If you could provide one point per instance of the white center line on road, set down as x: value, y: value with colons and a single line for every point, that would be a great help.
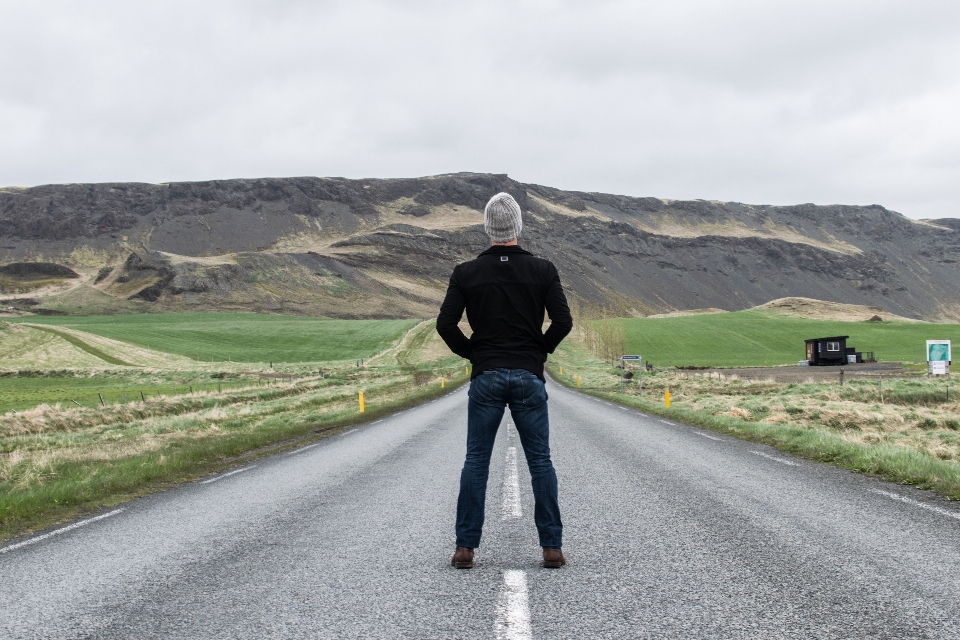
x: 707, y: 435
x: 511, y: 487
x: 513, y: 608
x: 775, y: 458
x: 71, y: 527
x: 916, y: 503
x: 229, y: 473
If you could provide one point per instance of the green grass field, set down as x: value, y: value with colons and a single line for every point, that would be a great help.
x: 64, y: 387
x: 762, y: 338
x: 60, y: 461
x: 909, y: 433
x: 242, y: 337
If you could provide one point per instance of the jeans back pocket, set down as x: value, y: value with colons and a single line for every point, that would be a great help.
x: 487, y: 388
x: 533, y: 392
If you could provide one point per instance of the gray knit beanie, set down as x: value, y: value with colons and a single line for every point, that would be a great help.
x: 501, y: 218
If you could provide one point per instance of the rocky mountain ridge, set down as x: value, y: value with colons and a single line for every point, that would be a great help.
x: 385, y: 248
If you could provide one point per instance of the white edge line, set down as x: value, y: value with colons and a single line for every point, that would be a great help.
x: 917, y: 503
x: 706, y: 435
x: 790, y: 463
x: 309, y: 446
x: 347, y: 432
x: 71, y: 527
x: 227, y: 474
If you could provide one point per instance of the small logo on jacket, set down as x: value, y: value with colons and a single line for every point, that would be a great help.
x: 504, y: 258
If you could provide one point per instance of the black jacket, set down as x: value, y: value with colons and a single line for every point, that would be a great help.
x: 505, y: 291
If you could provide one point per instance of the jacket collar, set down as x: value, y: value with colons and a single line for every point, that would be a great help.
x: 499, y: 249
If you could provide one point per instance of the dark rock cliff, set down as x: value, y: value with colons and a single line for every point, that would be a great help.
x: 377, y: 248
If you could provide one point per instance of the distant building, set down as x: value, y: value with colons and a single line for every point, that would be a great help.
x: 832, y: 350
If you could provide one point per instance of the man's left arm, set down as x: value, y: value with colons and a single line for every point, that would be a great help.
x: 561, y: 322
x: 448, y: 322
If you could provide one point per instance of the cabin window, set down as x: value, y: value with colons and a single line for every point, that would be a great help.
x: 833, y: 346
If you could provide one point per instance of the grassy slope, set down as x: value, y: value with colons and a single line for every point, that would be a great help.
x: 57, y: 464
x: 66, y: 387
x: 902, y: 458
x: 763, y: 338
x: 243, y: 337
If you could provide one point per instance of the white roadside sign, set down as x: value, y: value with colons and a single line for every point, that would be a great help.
x: 938, y: 357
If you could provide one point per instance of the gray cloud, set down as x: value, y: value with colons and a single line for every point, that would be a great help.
x: 761, y: 102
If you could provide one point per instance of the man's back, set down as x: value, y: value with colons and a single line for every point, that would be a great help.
x: 505, y: 292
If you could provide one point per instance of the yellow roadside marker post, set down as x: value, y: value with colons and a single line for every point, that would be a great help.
x: 666, y: 398
x: 561, y: 370
x: 466, y: 371
x: 443, y: 383
x: 578, y: 381
x: 360, y: 398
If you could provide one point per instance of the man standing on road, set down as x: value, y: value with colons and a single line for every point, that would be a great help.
x: 505, y: 291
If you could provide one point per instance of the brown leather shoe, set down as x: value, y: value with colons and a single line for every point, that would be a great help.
x: 462, y: 558
x: 553, y: 558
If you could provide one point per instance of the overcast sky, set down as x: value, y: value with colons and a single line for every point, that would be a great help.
x: 766, y: 102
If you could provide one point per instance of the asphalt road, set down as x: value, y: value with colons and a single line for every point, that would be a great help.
x: 670, y: 532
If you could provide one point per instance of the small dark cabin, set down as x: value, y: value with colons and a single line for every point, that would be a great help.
x: 830, y: 351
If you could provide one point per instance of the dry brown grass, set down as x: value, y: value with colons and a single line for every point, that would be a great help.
x: 55, y: 457
x: 933, y: 429
x: 913, y: 415
x: 823, y: 310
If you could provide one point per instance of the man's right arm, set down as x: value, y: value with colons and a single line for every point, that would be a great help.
x: 448, y: 322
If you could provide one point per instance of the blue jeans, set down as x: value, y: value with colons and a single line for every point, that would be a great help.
x: 489, y: 393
